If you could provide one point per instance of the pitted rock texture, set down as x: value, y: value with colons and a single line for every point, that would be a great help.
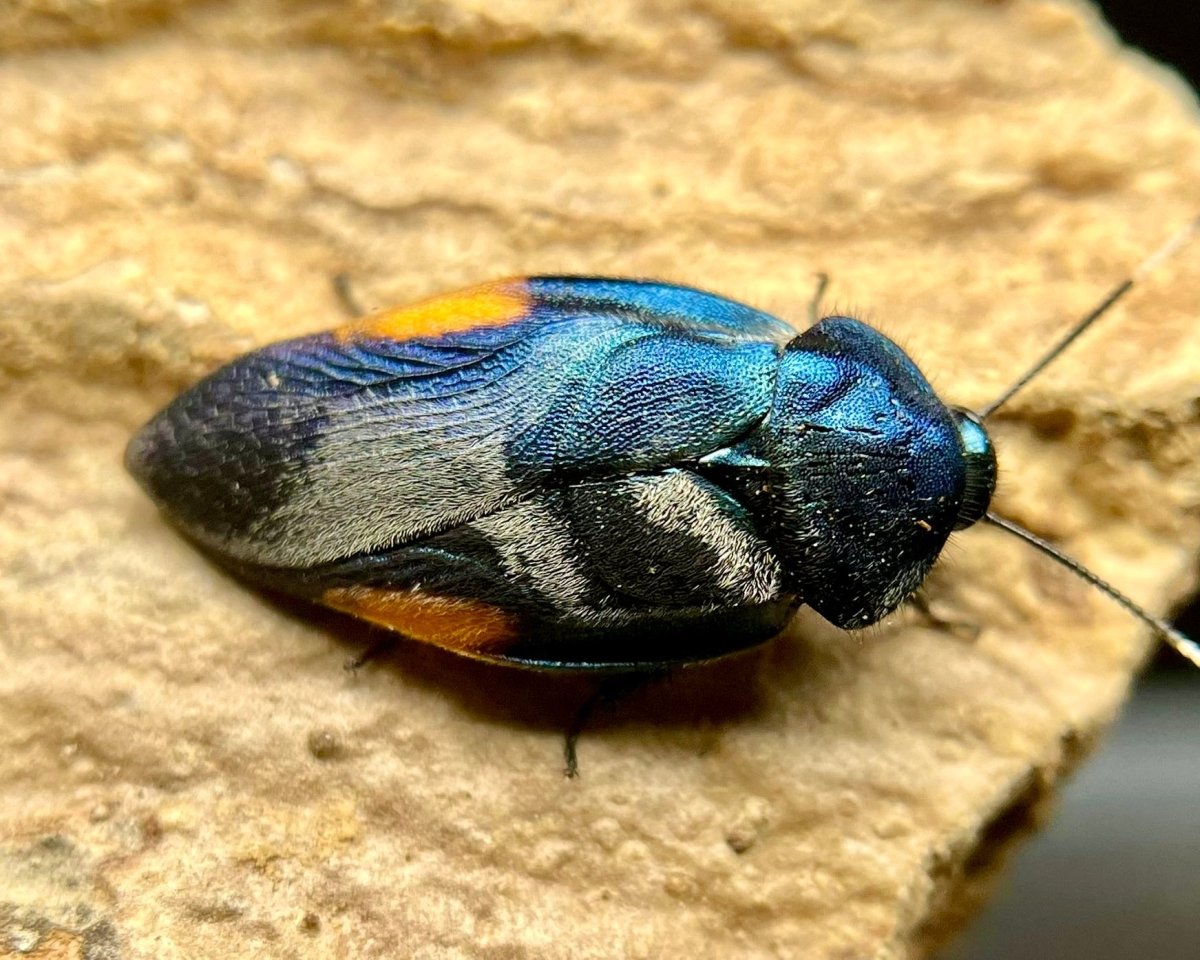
x: 185, y: 768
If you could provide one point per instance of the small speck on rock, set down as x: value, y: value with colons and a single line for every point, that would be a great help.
x: 741, y: 838
x: 324, y: 745
x: 748, y: 825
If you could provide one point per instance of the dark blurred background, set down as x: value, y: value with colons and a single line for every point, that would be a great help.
x: 1167, y: 30
x: 1116, y: 876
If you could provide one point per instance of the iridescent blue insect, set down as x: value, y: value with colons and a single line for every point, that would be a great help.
x: 577, y: 473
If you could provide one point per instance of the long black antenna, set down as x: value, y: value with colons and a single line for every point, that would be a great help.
x: 1147, y: 265
x: 1163, y: 630
x: 1185, y: 645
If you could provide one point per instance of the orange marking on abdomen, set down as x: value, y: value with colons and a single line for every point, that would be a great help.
x: 487, y: 305
x: 453, y: 623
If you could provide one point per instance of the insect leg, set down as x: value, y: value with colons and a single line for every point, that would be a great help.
x: 382, y: 644
x: 610, y: 691
x: 960, y: 628
x: 814, y: 305
x: 345, y: 296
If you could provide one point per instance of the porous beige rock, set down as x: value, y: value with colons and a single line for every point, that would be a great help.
x: 185, y: 768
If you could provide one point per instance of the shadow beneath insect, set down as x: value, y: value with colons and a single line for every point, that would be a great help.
x: 700, y: 698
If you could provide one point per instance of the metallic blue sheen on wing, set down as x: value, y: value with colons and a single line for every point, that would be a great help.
x: 316, y: 449
x: 662, y: 304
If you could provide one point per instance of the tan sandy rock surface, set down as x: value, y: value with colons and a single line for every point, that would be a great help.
x: 186, y: 771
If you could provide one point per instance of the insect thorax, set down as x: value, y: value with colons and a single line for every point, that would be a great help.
x: 868, y: 472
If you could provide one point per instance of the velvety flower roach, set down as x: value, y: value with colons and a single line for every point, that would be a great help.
x: 585, y: 473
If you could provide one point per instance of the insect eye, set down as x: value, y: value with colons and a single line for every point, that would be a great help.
x: 980, y: 458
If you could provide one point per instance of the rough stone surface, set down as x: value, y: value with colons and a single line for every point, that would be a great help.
x: 185, y: 768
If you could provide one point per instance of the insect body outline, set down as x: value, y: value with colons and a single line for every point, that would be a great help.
x: 668, y: 463
x: 584, y: 473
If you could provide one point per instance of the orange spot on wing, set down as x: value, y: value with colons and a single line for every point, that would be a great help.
x: 487, y: 305
x: 454, y: 623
